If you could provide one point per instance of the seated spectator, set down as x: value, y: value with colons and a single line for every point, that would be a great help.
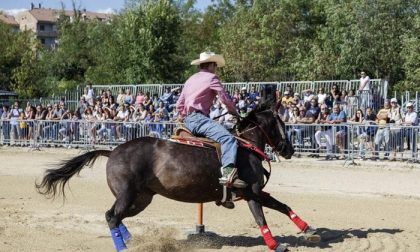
x: 297, y: 101
x: 215, y: 109
x: 147, y: 101
x: 287, y: 98
x: 163, y: 112
x: 307, y: 95
x: 122, y: 116
x: 128, y: 97
x: 139, y: 98
x: 120, y: 97
x: 253, y: 94
x: 298, y: 117
x: 283, y: 112
x: 382, y: 133
x: 167, y: 98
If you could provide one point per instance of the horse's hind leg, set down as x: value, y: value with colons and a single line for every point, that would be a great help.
x: 116, y: 214
x: 258, y: 214
x: 134, y: 207
x: 270, y: 202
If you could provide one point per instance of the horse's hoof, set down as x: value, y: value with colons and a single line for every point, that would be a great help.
x: 228, y: 204
x: 281, y: 248
x: 311, y: 235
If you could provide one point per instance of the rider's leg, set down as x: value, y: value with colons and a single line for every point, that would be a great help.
x: 199, y: 124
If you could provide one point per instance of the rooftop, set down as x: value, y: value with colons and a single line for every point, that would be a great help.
x: 7, y: 19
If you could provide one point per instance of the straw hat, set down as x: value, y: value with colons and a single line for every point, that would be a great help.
x: 209, y: 57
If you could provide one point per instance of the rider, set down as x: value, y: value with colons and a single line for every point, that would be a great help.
x: 194, y: 105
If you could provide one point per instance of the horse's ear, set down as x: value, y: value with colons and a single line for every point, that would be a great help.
x: 268, y: 97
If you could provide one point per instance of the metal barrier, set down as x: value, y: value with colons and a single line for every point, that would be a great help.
x: 346, y: 141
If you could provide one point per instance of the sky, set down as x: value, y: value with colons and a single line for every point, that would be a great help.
x: 107, y: 6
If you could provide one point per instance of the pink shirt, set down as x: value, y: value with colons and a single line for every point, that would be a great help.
x: 140, y: 99
x: 198, y: 94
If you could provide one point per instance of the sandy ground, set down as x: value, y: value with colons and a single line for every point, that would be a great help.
x: 370, y: 207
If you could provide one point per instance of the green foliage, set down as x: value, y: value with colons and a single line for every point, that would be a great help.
x: 154, y: 41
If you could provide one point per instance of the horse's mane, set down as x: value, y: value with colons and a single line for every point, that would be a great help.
x: 252, y: 116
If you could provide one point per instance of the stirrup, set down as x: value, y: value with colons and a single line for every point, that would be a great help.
x: 232, y: 180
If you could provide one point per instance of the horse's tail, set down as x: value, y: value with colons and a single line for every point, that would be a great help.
x: 68, y: 168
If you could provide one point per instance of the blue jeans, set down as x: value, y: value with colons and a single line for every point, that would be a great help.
x: 201, y: 125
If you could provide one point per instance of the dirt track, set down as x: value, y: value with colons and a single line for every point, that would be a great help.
x: 373, y: 207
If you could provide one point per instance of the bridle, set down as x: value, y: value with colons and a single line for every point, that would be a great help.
x: 267, y: 138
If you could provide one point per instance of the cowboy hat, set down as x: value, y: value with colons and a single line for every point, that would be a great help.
x: 209, y: 57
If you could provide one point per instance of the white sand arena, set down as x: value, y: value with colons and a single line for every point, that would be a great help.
x: 372, y: 207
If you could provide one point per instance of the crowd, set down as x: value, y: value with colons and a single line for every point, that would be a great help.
x: 332, y: 113
x: 315, y: 118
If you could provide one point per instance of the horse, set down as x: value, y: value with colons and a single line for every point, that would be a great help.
x: 143, y: 167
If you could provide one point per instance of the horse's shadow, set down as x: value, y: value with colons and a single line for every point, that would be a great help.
x: 328, y: 237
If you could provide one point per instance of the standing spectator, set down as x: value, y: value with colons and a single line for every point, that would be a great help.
x: 90, y: 94
x: 167, y: 98
x: 382, y: 134
x: 359, y: 119
x: 364, y: 90
x: 14, y: 124
x: 335, y: 95
x: 321, y: 96
x: 324, y: 131
x: 351, y: 103
x: 410, y: 133
x: 338, y: 117
x: 396, y: 118
x: 5, y: 125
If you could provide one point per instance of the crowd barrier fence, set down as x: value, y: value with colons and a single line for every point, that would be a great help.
x: 331, y: 141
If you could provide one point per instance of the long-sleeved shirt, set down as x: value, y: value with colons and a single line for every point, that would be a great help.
x: 198, y: 94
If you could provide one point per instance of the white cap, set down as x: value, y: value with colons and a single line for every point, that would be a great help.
x: 243, y: 88
x: 409, y: 104
x: 296, y: 94
x: 286, y: 92
x: 394, y: 100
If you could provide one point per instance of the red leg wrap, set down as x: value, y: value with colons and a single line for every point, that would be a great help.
x: 268, y: 238
x: 298, y: 221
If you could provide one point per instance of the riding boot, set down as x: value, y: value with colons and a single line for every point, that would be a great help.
x: 230, y: 178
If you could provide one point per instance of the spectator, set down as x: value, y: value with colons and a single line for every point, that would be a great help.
x: 396, y: 118
x: 338, y: 117
x: 382, y: 134
x: 308, y: 95
x: 147, y: 101
x: 321, y: 95
x: 351, y: 103
x: 361, y: 134
x: 14, y: 124
x: 120, y: 97
x: 410, y: 119
x: 122, y: 116
x: 335, y: 95
x: 324, y: 130
x: 364, y: 90
x: 287, y: 98
x: 128, y: 98
x: 215, y: 109
x: 5, y: 124
x: 163, y: 112
x: 167, y: 98
x: 253, y: 94
x: 140, y: 98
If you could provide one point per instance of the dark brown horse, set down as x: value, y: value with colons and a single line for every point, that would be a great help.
x: 143, y: 167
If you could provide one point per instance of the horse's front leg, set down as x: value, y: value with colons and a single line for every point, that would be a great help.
x: 258, y: 214
x: 310, y: 234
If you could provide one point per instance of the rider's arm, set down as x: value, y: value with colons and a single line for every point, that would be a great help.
x: 180, y: 104
x: 216, y: 85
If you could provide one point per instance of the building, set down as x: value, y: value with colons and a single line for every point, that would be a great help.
x: 9, y: 20
x: 44, y: 21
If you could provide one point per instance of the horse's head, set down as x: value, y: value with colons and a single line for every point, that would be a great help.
x: 271, y: 128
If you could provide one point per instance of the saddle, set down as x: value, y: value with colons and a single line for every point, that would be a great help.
x: 184, y: 136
